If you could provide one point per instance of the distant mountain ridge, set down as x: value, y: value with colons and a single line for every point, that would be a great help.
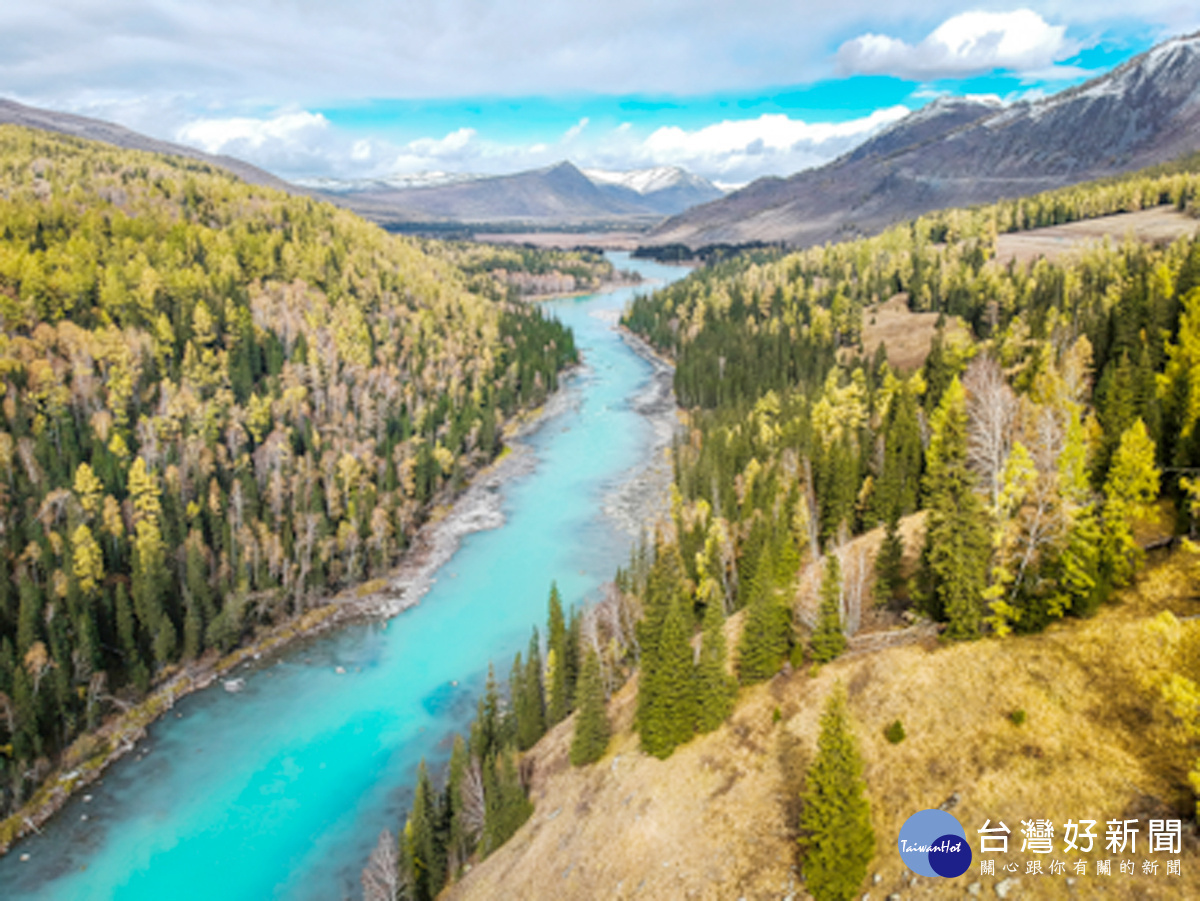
x: 966, y: 151
x: 13, y: 113
x: 557, y: 194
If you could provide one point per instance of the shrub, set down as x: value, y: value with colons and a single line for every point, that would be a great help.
x: 895, y: 732
x: 1017, y: 716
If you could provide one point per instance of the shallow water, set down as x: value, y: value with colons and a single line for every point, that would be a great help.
x: 281, y: 790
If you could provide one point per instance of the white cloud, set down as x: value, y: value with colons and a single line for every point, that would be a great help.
x: 442, y: 148
x: 967, y: 44
x: 733, y: 151
x: 211, y: 72
x: 575, y: 130
x: 288, y: 142
x: 225, y: 135
x: 742, y: 149
x: 299, y: 143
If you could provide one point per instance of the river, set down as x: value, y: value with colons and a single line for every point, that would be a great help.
x: 280, y: 791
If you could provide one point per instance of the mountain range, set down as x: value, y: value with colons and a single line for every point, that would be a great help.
x: 558, y: 194
x: 555, y: 195
x: 952, y: 152
x: 966, y: 151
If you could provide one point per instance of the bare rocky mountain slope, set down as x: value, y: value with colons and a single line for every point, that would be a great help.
x: 963, y: 152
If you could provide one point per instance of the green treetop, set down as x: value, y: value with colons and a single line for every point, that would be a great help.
x: 957, y: 543
x: 828, y: 640
x: 838, y: 841
x: 715, y: 688
x: 592, y: 730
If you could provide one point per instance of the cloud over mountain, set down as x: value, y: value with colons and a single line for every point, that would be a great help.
x: 967, y: 44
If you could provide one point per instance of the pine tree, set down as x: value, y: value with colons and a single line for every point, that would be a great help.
x: 486, y: 730
x: 511, y: 730
x: 198, y: 596
x: 716, y: 689
x: 838, y: 841
x: 426, y: 876
x: 127, y: 633
x: 557, y: 702
x: 1077, y: 569
x: 571, y: 656
x: 957, y: 542
x: 457, y: 840
x: 507, y: 807
x: 665, y: 588
x: 592, y: 730
x: 766, y: 630
x: 829, y: 641
x: 1131, y: 486
x: 530, y: 705
x: 889, y: 562
x: 667, y: 700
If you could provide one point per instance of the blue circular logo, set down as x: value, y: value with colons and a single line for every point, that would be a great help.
x: 933, y: 843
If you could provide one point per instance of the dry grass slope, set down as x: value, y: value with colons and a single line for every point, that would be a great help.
x: 1161, y: 225
x: 716, y: 820
x: 907, y: 335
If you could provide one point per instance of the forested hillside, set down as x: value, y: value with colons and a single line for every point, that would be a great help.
x: 218, y: 402
x: 1034, y: 440
x: 1036, y: 447
x: 1041, y: 448
x: 529, y: 270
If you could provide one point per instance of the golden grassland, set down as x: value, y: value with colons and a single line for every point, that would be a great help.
x: 718, y: 819
x: 1157, y: 225
x: 906, y: 335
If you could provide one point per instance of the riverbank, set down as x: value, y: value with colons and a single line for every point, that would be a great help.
x: 476, y: 507
x: 643, y: 498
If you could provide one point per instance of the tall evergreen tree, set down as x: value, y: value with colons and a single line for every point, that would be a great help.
x: 592, y: 730
x: 957, y: 541
x: 889, y: 562
x: 829, y: 641
x: 507, y: 807
x: 716, y: 689
x: 766, y: 629
x: 457, y: 834
x: 838, y: 841
x: 1132, y: 483
x: 557, y: 701
x: 486, y: 730
x: 511, y: 729
x: 664, y: 589
x: 529, y: 701
x: 667, y: 699
x: 426, y: 874
x: 571, y: 656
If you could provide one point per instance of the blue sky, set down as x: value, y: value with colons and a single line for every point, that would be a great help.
x: 369, y: 88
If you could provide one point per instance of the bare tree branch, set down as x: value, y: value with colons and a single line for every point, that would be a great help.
x: 992, y: 408
x: 381, y: 876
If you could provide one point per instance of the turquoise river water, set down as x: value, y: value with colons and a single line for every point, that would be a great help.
x: 280, y: 791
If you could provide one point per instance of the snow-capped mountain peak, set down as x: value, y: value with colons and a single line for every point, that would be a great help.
x: 647, y: 181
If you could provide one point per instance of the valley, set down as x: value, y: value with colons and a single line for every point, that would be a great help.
x: 444, y: 456
x: 207, y: 780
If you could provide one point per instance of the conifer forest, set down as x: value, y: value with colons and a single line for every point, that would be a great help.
x: 219, y: 403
